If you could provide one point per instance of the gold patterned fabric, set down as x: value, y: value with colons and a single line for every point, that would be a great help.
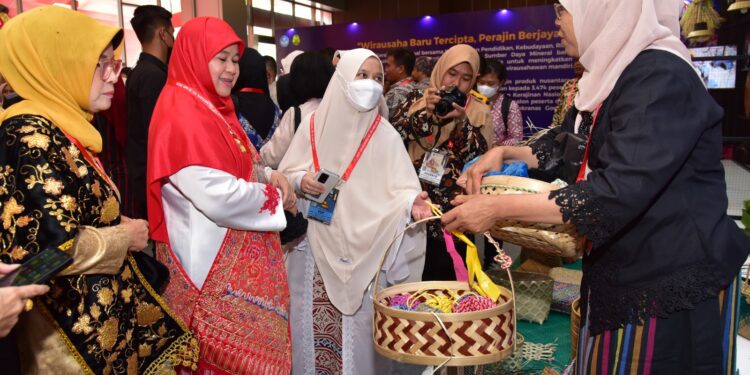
x: 565, y: 101
x: 110, y: 323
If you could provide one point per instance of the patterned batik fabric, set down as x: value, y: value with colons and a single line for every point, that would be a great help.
x: 255, y: 138
x: 327, y: 331
x: 509, y: 134
x: 568, y: 93
x: 398, y: 94
x: 241, y: 315
x: 110, y: 323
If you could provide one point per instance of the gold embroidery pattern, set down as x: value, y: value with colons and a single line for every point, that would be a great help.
x: 184, y: 351
x: 36, y: 140
x: 110, y: 210
x: 110, y: 323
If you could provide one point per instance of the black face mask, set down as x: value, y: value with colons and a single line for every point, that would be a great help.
x: 169, y: 49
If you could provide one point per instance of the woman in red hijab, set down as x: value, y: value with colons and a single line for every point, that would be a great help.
x: 212, y: 213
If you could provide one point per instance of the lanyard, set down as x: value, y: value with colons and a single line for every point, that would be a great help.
x: 357, y: 154
x: 252, y: 90
x: 585, y: 162
x: 243, y: 146
x: 571, y: 92
x: 94, y: 162
x: 408, y: 81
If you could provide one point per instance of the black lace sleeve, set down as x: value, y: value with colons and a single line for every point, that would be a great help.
x: 542, y: 150
x: 543, y: 145
x: 644, y: 143
x: 579, y: 206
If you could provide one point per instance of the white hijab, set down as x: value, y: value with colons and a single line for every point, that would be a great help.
x: 611, y: 33
x: 286, y: 62
x: 373, y: 205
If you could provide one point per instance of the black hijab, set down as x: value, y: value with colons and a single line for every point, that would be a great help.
x: 284, y: 93
x: 256, y: 107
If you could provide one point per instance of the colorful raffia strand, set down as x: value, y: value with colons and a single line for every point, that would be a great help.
x: 478, y: 280
x: 504, y: 260
x: 471, y: 302
x: 402, y: 302
x: 442, y: 303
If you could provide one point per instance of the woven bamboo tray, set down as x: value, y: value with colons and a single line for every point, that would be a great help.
x: 441, y: 339
x: 575, y: 327
x: 556, y: 239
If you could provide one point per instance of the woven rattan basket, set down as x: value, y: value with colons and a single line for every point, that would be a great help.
x: 533, y: 293
x: 419, y: 338
x: 557, y: 239
x: 442, y: 339
x: 575, y: 327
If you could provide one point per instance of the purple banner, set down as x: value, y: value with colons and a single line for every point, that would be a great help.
x: 524, y: 39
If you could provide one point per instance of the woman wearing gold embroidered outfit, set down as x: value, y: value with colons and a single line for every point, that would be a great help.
x: 101, y: 315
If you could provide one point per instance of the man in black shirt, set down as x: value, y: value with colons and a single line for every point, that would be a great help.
x: 153, y: 26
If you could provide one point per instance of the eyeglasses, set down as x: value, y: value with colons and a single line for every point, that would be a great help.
x: 559, y: 9
x: 109, y: 68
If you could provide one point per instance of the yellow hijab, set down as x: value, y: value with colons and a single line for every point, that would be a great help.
x: 49, y: 56
x: 477, y: 112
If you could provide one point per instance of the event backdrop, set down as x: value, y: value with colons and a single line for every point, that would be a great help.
x: 524, y: 39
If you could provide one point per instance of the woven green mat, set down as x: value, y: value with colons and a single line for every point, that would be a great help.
x: 556, y: 329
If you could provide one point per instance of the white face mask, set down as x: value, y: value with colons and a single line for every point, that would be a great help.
x: 488, y: 91
x: 364, y: 94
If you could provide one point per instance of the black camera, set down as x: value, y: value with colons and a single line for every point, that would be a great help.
x: 447, y: 97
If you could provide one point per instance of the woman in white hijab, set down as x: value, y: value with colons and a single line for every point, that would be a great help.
x: 660, y: 287
x: 286, y: 62
x: 332, y: 270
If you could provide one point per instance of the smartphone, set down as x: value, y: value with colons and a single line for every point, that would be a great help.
x: 329, y: 181
x: 39, y: 269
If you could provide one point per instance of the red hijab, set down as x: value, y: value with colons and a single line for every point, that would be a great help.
x: 184, y: 131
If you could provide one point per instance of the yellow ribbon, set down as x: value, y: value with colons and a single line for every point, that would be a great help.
x: 478, y: 280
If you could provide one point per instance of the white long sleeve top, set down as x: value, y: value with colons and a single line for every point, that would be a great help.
x: 201, y: 203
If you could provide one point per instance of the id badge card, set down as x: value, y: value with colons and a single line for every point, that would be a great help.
x: 433, y: 167
x: 323, y: 212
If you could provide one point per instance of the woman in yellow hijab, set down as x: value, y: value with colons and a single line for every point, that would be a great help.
x: 101, y: 315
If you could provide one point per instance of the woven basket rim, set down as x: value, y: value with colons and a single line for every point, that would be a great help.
x: 519, y: 182
x: 501, y: 308
x: 575, y: 307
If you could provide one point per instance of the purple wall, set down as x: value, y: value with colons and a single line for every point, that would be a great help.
x: 524, y: 39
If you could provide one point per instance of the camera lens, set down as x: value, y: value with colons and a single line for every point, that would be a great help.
x: 443, y: 107
x: 323, y: 178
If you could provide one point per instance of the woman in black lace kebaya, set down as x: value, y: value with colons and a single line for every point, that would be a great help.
x: 660, y: 285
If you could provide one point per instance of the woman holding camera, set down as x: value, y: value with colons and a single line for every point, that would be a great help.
x: 443, y: 130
